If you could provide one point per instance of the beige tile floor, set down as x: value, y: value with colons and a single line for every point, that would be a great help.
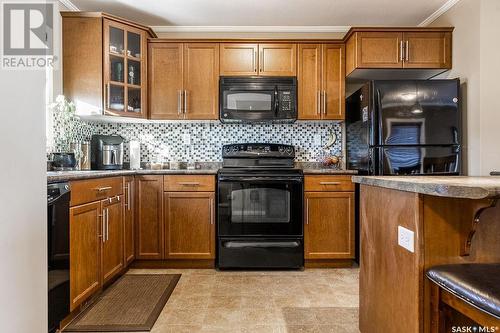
x: 313, y: 300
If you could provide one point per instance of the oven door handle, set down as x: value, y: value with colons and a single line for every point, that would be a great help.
x: 261, y: 244
x: 260, y: 179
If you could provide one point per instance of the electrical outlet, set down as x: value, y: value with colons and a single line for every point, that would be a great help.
x: 186, y: 138
x: 406, y: 239
x: 317, y: 139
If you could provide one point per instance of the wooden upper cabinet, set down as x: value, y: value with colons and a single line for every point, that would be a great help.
x: 321, y: 81
x: 427, y: 49
x: 85, y: 251
x: 129, y: 219
x: 333, y: 80
x: 238, y: 59
x: 105, y: 64
x: 329, y: 225
x: 278, y: 59
x: 201, y: 81
x: 112, y: 244
x: 149, y: 217
x: 165, y: 80
x: 189, y: 225
x: 309, y: 83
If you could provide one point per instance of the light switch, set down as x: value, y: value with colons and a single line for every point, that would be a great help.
x: 406, y: 239
x: 186, y: 138
x: 317, y: 139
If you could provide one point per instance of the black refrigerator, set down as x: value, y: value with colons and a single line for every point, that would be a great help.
x: 404, y: 128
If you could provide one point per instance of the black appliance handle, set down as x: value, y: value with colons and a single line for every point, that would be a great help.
x: 260, y: 244
x: 276, y: 101
x: 259, y: 179
x: 64, y: 191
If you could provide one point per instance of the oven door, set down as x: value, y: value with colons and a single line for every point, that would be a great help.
x: 260, y: 206
x: 248, y: 103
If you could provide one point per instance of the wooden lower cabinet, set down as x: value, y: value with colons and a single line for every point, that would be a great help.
x: 149, y: 217
x: 85, y: 252
x: 189, y: 225
x: 329, y: 225
x: 129, y: 220
x: 112, y: 241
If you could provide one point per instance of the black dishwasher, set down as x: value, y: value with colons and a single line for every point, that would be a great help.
x: 58, y: 197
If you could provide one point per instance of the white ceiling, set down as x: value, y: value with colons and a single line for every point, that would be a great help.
x: 268, y: 12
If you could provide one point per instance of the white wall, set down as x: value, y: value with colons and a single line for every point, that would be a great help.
x: 475, y: 54
x: 23, y: 234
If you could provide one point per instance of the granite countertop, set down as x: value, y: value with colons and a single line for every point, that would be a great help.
x: 206, y: 168
x: 443, y: 186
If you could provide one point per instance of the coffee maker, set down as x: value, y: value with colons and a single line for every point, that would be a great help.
x: 107, y: 152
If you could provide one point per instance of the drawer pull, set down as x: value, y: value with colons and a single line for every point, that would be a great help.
x: 189, y: 183
x: 330, y: 183
x: 102, y: 189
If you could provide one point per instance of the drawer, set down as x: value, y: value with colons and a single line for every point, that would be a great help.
x: 328, y: 183
x: 189, y: 183
x: 89, y: 190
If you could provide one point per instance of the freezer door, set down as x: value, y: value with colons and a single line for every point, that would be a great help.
x: 420, y: 112
x: 418, y: 160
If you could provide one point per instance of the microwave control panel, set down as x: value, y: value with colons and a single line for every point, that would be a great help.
x: 285, y: 101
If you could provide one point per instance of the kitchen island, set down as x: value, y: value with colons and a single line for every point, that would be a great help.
x: 451, y: 220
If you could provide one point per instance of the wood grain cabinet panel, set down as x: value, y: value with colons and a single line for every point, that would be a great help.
x: 328, y: 183
x: 189, y: 225
x: 309, y: 81
x: 129, y: 219
x: 149, y: 217
x: 321, y: 81
x: 238, y: 59
x: 379, y: 49
x: 112, y: 245
x: 278, y: 59
x: 89, y: 190
x: 427, y: 49
x: 190, y: 183
x: 85, y: 252
x: 165, y: 80
x: 201, y: 81
x: 333, y: 76
x: 329, y: 225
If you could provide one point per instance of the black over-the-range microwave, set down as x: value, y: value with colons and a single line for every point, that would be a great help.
x: 258, y: 99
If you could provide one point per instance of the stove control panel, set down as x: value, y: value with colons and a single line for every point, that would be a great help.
x: 258, y: 150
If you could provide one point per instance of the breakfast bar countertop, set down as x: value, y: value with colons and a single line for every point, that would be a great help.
x: 444, y: 186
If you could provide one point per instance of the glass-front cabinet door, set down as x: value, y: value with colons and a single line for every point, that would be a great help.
x: 124, y: 70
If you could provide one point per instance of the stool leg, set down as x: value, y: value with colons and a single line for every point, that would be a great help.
x: 437, y: 320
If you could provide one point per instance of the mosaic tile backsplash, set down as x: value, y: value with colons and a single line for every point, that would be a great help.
x: 165, y: 141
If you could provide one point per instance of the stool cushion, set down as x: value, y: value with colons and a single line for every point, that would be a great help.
x: 477, y: 284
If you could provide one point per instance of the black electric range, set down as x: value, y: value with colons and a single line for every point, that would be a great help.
x: 259, y: 207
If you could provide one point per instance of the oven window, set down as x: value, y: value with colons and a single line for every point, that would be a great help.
x: 260, y: 205
x: 248, y: 101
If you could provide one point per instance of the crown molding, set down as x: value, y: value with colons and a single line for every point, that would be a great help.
x: 71, y: 6
x: 440, y: 11
x: 250, y: 28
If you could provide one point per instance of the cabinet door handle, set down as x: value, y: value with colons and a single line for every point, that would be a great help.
x: 324, y: 102
x: 107, y: 224
x: 103, y: 225
x: 401, y: 51
x: 189, y: 183
x: 318, y: 100
x: 185, y: 102
x: 261, y: 60
x: 330, y: 183
x: 102, y: 189
x: 255, y: 61
x: 179, y: 102
x: 101, y: 218
x: 212, y: 211
x: 407, y: 50
x: 129, y: 200
x: 306, y: 211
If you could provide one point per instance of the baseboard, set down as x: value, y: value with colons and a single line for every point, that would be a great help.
x: 173, y: 263
x: 329, y: 263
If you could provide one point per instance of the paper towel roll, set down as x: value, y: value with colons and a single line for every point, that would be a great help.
x: 135, y: 154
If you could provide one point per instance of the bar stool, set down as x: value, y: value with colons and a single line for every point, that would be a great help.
x: 473, y: 290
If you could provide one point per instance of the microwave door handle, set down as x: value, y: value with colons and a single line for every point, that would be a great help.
x: 276, y: 102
